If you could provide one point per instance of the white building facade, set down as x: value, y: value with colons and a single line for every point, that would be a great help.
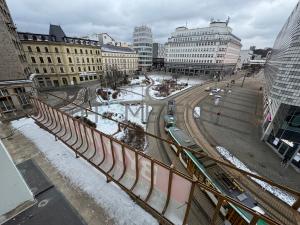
x: 142, y: 43
x: 121, y: 60
x: 245, y: 57
x: 212, y: 50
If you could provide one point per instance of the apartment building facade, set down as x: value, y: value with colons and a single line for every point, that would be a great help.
x: 281, y: 126
x: 56, y: 60
x: 14, y: 70
x: 212, y: 50
x: 120, y: 61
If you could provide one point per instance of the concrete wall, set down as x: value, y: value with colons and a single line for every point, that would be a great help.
x: 13, y: 189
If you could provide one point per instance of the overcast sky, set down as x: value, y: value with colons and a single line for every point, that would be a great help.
x: 256, y: 22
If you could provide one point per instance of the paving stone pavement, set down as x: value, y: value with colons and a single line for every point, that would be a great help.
x: 238, y: 129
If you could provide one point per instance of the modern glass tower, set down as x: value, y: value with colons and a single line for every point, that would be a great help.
x: 142, y: 43
x: 281, y: 127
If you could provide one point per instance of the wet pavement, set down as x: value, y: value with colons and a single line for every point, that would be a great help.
x: 235, y: 123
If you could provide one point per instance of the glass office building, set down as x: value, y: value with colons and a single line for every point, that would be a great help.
x: 142, y: 43
x: 281, y: 127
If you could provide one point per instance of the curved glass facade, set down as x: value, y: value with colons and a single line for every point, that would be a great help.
x: 282, y: 70
x: 142, y: 43
x: 282, y: 100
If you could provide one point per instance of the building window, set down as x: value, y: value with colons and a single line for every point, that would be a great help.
x: 88, y: 60
x: 33, y: 60
x: 72, y: 69
x: 92, y: 60
x: 37, y: 70
x: 29, y: 48
x: 82, y: 60
x: 91, y: 51
x: 56, y: 50
x: 41, y: 60
x: 75, y: 51
x: 89, y: 68
x: 93, y: 68
x: 81, y: 78
x: 68, y: 51
x: 46, y: 49
x: 45, y: 70
x: 86, y: 51
x: 58, y: 60
x: 70, y: 60
x: 79, y: 69
x: 38, y: 49
x: 95, y: 77
x: 52, y: 70
x: 49, y: 60
x: 81, y: 52
x: 61, y: 70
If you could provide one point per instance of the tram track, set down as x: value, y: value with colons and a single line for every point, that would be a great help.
x: 200, y: 202
x: 274, y: 207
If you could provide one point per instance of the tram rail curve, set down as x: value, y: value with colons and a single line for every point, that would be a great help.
x: 274, y: 207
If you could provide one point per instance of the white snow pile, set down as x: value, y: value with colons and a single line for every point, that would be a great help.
x: 111, y: 198
x: 197, y: 111
x: 282, y: 195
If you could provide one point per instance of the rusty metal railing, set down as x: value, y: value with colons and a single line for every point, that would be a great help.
x: 296, y: 194
x: 152, y: 184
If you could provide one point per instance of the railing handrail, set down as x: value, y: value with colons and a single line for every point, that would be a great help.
x: 288, y: 189
x: 222, y: 198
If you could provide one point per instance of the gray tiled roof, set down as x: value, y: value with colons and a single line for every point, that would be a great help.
x: 57, y: 31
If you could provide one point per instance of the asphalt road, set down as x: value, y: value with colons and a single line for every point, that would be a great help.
x: 202, y: 208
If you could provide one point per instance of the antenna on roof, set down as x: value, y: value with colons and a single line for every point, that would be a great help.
x: 227, y: 21
x: 212, y: 19
x: 186, y: 23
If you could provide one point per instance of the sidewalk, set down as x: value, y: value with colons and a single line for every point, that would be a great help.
x: 238, y: 129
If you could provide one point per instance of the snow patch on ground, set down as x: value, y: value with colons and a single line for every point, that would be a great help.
x: 158, y: 79
x: 127, y: 93
x: 111, y: 198
x: 282, y: 195
x: 134, y: 114
x: 138, y: 81
x: 197, y: 111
